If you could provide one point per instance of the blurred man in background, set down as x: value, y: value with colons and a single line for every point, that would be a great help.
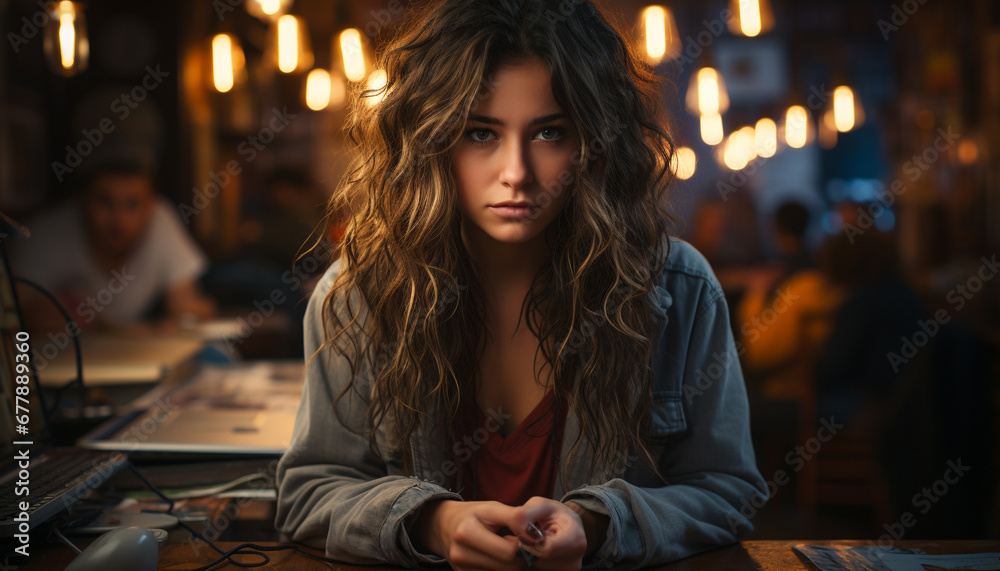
x: 115, y: 256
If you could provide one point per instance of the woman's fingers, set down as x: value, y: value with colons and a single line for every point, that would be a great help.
x: 528, y: 522
x: 564, y: 542
x: 543, y: 527
x: 471, y: 532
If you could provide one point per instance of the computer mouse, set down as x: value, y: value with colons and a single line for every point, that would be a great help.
x: 122, y: 549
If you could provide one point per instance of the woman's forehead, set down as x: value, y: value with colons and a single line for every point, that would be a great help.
x: 517, y: 85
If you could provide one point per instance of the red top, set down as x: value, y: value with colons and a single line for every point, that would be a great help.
x: 511, y: 470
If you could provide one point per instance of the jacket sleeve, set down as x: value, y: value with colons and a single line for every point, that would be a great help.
x: 713, y: 486
x: 333, y: 492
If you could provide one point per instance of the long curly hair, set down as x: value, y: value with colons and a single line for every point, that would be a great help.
x: 420, y: 335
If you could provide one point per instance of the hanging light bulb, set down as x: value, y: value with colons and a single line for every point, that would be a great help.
x: 750, y: 17
x: 66, y: 46
x: 352, y: 53
x: 291, y: 45
x: 766, y: 138
x: 268, y: 10
x: 796, y: 127
x: 660, y: 30
x: 228, y: 65
x: 683, y: 163
x: 706, y: 94
x: 744, y: 143
x: 736, y: 150
x: 847, y: 111
x: 318, y: 89
x: 711, y: 129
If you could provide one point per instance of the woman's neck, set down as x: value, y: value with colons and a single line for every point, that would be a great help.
x: 504, y: 266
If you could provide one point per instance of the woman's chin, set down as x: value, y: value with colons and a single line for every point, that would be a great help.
x: 517, y: 236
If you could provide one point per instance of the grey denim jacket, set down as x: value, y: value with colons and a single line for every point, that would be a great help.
x: 334, y: 493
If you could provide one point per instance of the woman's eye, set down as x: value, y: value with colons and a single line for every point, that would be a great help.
x: 480, y: 136
x: 550, y: 134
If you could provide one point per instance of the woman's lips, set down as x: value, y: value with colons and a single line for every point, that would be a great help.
x: 514, y: 211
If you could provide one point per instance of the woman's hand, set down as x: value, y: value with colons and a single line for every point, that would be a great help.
x: 466, y: 534
x: 564, y: 540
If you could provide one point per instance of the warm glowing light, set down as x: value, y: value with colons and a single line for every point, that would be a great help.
x: 270, y: 7
x: 733, y: 155
x: 750, y: 17
x: 353, y: 54
x: 222, y: 62
x: 683, y: 163
x: 707, y: 93
x: 67, y: 34
x: 318, y: 89
x: 65, y: 31
x: 227, y: 62
x: 288, y: 43
x: 655, y: 23
x: 796, y: 126
x: 267, y: 10
x: 739, y: 149
x: 753, y: 17
x: 711, y: 129
x: 376, y: 82
x: 766, y: 138
x: 843, y: 108
x: 968, y: 152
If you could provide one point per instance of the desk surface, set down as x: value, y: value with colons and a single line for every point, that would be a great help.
x: 746, y: 556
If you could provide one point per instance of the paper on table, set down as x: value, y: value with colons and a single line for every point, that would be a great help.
x: 964, y: 562
x: 846, y: 558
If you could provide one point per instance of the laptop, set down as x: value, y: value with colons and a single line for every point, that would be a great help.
x: 246, y: 408
x: 115, y: 359
x: 37, y: 481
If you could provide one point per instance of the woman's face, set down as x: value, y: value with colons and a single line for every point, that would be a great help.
x: 517, y: 147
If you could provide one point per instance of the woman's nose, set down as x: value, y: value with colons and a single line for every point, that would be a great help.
x: 515, y: 171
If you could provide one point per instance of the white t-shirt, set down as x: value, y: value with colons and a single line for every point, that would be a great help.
x: 57, y: 257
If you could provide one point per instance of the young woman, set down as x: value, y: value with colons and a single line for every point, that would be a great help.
x: 512, y: 363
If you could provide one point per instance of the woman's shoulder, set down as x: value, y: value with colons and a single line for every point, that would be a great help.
x: 322, y: 290
x: 686, y: 265
x: 325, y: 282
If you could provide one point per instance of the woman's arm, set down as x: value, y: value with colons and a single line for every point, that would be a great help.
x: 332, y: 491
x: 713, y: 482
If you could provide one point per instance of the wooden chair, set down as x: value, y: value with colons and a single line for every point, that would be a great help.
x: 844, y: 470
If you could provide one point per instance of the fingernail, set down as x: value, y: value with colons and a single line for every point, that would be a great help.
x: 535, y: 533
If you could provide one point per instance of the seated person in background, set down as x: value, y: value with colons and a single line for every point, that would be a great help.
x: 879, y: 310
x: 111, y: 255
x: 771, y: 313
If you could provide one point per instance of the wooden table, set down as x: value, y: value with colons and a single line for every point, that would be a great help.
x: 746, y: 556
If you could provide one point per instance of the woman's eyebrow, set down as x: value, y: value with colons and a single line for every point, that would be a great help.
x: 494, y: 121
